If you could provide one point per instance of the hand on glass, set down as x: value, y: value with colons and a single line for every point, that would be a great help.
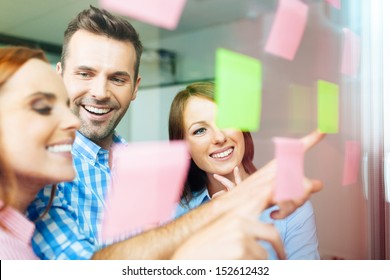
x: 265, y: 177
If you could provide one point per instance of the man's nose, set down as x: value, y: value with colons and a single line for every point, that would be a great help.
x: 100, y: 89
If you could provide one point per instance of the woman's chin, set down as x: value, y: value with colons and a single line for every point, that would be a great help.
x: 65, y: 176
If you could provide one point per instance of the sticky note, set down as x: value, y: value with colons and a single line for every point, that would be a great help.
x: 289, y: 154
x: 351, y: 53
x: 351, y: 162
x: 287, y: 29
x: 300, y: 110
x: 147, y: 181
x: 335, y: 3
x: 161, y: 13
x: 238, y: 82
x: 328, y: 107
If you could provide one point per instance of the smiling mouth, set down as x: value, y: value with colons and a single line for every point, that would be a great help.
x: 222, y: 154
x: 63, y: 148
x: 97, y: 111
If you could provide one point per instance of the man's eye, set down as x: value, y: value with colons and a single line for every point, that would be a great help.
x: 118, y: 81
x: 83, y: 74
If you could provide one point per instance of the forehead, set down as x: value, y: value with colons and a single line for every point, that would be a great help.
x: 199, y: 109
x: 88, y: 49
x: 34, y: 76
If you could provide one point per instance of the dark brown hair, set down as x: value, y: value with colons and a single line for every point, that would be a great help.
x: 196, y: 178
x: 101, y: 22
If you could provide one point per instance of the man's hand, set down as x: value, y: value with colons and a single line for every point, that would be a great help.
x: 265, y: 178
x: 231, y: 237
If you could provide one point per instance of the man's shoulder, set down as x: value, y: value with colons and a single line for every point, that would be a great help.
x: 118, y: 139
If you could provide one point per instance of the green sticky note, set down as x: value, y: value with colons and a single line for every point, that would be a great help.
x: 328, y: 107
x: 238, y: 90
x: 300, y: 109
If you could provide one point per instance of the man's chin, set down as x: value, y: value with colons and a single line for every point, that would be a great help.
x: 95, y: 136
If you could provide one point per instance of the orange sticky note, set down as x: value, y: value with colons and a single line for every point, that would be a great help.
x: 289, y: 154
x: 351, y: 162
x: 162, y: 13
x: 335, y: 3
x: 351, y: 53
x: 287, y: 29
x: 147, y: 181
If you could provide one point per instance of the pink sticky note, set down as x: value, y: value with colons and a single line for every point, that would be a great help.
x: 335, y: 3
x: 162, y: 13
x: 289, y: 154
x: 287, y: 29
x: 351, y: 162
x: 147, y: 181
x: 351, y: 53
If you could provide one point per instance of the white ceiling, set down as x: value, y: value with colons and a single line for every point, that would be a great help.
x: 46, y: 20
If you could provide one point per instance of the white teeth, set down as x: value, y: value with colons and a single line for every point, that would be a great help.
x: 60, y: 148
x: 96, y: 110
x: 223, y: 154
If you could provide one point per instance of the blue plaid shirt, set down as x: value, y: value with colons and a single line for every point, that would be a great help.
x: 71, y: 228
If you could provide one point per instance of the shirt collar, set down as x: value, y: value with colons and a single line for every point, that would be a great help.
x: 201, y: 197
x: 17, y: 224
x: 86, y: 148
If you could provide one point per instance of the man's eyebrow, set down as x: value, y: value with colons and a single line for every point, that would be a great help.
x: 121, y: 73
x: 116, y: 73
x: 83, y: 67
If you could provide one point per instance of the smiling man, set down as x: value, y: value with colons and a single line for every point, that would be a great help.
x: 101, y: 80
x: 99, y: 66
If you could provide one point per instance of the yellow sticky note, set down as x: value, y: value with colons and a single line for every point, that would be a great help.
x: 328, y: 107
x: 238, y: 82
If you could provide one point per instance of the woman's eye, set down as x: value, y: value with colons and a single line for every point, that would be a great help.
x: 44, y: 110
x: 200, y: 131
x: 42, y: 107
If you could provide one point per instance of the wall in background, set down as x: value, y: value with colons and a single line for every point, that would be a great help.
x: 340, y: 211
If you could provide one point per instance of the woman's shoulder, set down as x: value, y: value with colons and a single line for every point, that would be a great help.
x: 186, y: 205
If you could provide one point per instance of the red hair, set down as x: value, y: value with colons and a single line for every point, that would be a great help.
x: 196, y: 178
x: 11, y: 60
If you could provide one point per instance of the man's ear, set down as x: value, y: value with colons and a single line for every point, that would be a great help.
x: 59, y: 68
x: 136, y: 87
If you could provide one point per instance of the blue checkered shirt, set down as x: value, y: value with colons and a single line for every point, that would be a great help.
x: 71, y: 228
